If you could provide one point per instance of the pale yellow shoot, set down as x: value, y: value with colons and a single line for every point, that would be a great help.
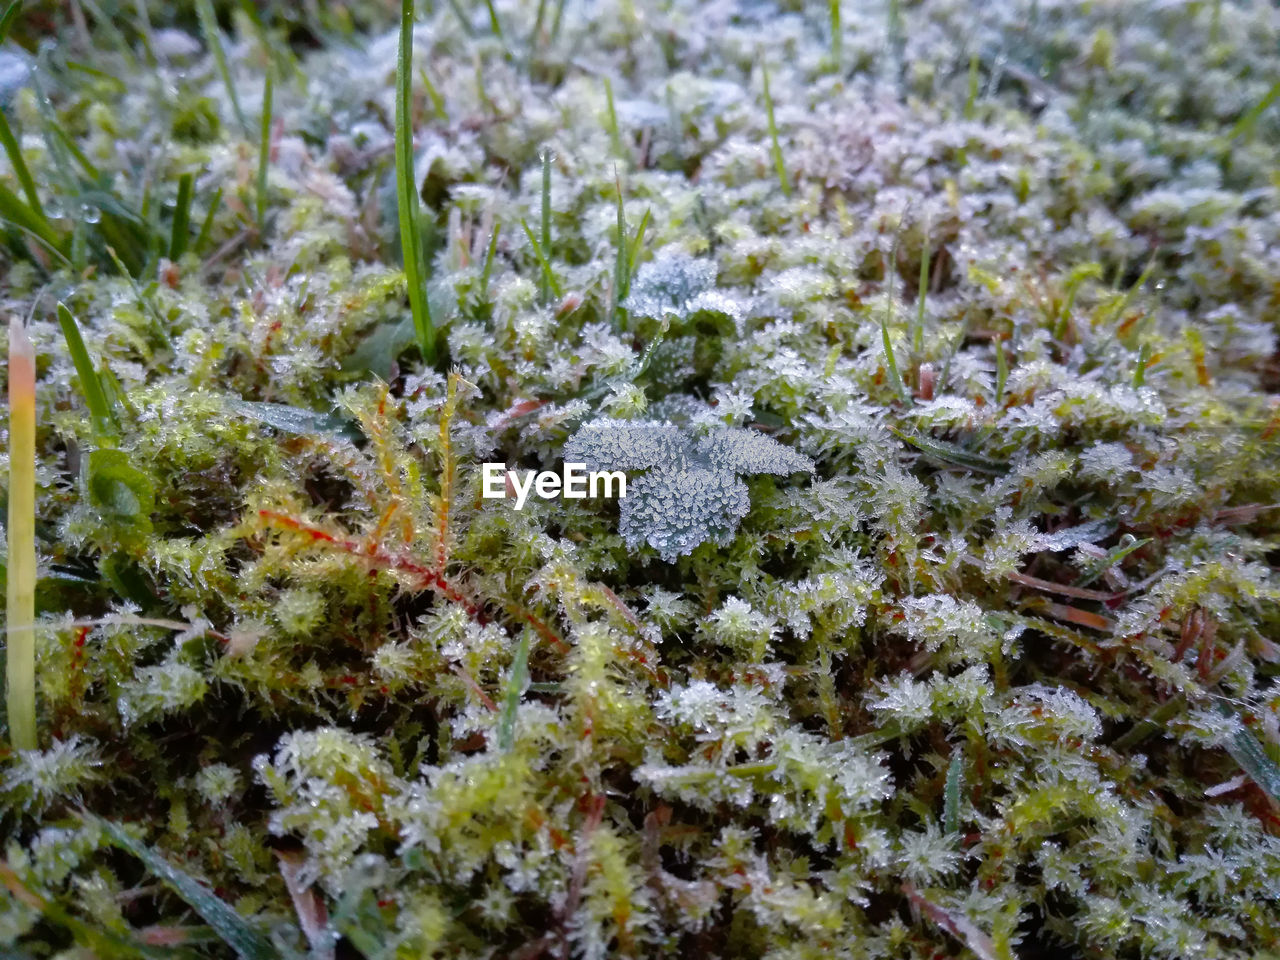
x: 20, y: 673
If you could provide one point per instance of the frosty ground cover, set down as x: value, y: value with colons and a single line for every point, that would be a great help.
x: 940, y: 340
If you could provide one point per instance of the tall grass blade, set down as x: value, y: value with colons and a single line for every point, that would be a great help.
x: 778, y: 164
x: 546, y: 220
x: 180, y: 234
x: 415, y: 267
x: 213, y: 37
x: 951, y: 792
x: 621, y: 271
x: 20, y: 600
x: 895, y: 375
x: 19, y: 214
x: 95, y: 397
x: 837, y: 37
x: 515, y: 688
x: 917, y: 340
x: 264, y: 149
x: 19, y: 165
x: 615, y: 137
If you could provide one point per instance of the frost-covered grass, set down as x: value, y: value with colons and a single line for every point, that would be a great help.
x: 944, y: 621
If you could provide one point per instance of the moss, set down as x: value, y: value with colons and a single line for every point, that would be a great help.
x: 963, y: 639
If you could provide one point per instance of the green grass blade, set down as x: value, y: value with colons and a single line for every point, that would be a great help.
x: 494, y: 23
x: 206, y: 227
x: 540, y: 255
x: 233, y: 929
x: 837, y: 36
x: 437, y: 101
x: 950, y: 453
x: 637, y: 244
x: 895, y: 375
x: 95, y: 398
x: 8, y: 17
x: 1244, y: 126
x: 621, y: 273
x: 19, y: 165
x: 264, y: 149
x: 181, y: 231
x: 18, y: 213
x: 1002, y: 371
x: 213, y: 37
x: 615, y: 137
x: 917, y: 340
x: 415, y: 267
x: 515, y: 689
x: 778, y: 164
x: 20, y: 587
x: 951, y: 793
x: 1253, y: 759
x: 546, y: 219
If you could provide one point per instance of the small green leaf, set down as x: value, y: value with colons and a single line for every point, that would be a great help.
x: 951, y: 793
x: 1253, y: 759
x: 119, y: 489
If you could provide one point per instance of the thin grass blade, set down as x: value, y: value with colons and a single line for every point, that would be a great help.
x: 415, y: 267
x: 95, y: 398
x: 20, y: 600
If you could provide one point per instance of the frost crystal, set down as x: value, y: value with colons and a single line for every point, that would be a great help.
x: 694, y: 495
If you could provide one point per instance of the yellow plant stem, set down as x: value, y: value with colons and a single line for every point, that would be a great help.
x: 20, y: 609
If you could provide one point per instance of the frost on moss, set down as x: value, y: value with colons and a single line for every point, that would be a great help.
x: 999, y: 678
x: 691, y: 493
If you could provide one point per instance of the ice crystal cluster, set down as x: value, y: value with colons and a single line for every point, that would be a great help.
x: 690, y: 492
x: 942, y: 617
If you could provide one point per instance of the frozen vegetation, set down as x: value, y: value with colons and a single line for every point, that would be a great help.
x: 939, y: 343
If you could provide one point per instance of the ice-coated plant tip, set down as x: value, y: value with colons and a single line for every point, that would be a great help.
x: 20, y: 598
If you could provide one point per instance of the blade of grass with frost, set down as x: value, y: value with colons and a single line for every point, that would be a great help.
x: 546, y: 218
x: 213, y: 37
x: 1128, y: 544
x: 95, y: 398
x: 1253, y: 759
x: 1002, y: 371
x: 264, y: 149
x: 951, y: 792
x: 537, y: 27
x: 14, y: 152
x: 778, y: 164
x: 233, y: 929
x: 950, y: 453
x: 415, y: 267
x: 917, y: 341
x: 515, y: 688
x: 20, y: 600
x: 180, y: 234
